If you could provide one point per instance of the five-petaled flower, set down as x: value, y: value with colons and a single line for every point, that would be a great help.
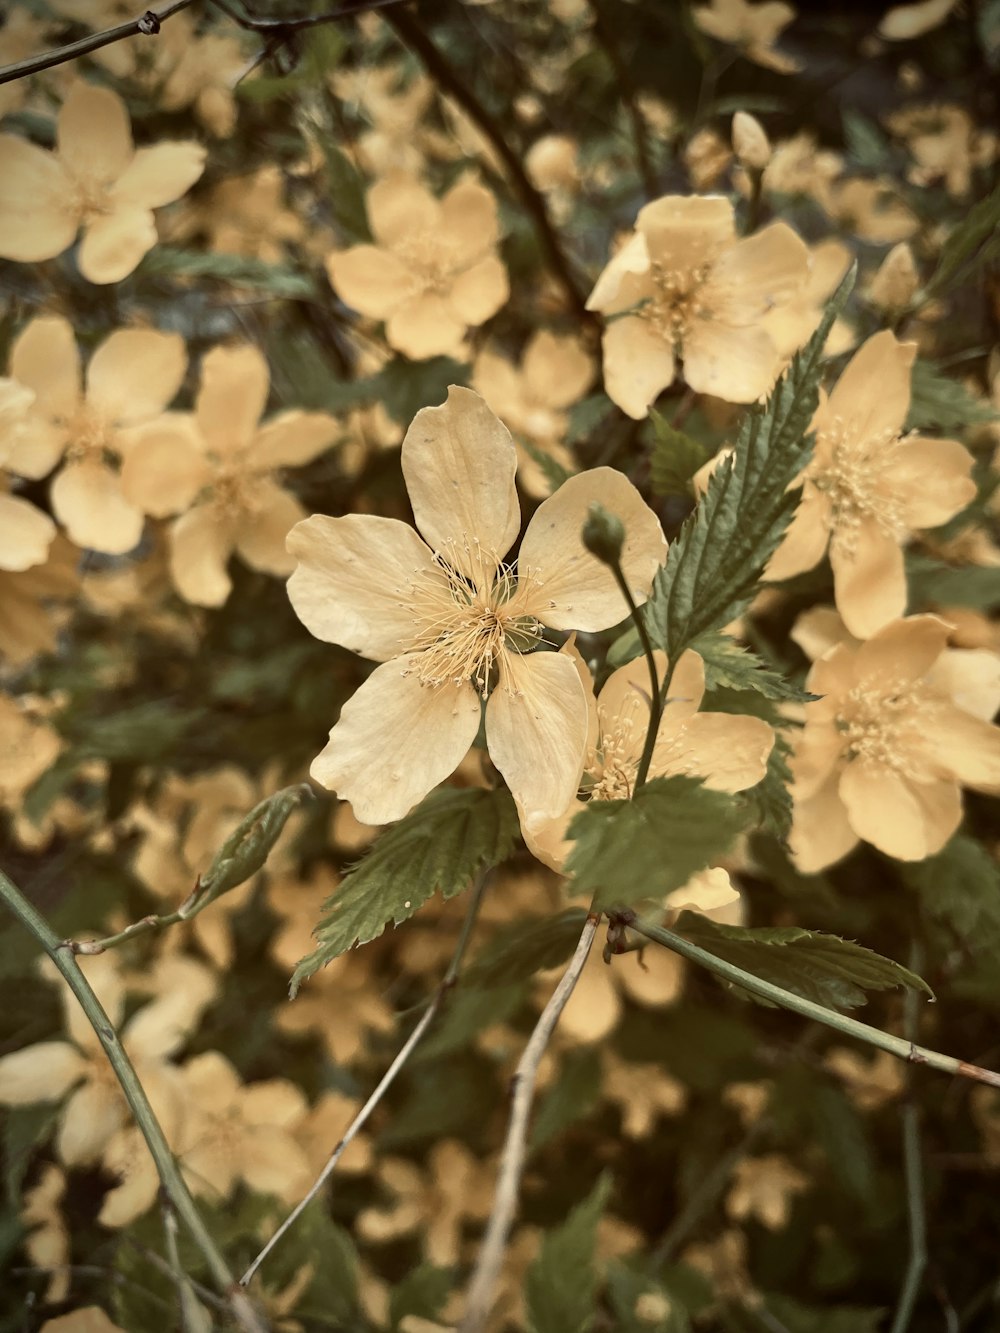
x: 452, y: 624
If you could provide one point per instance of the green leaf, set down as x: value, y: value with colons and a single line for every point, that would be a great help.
x: 554, y: 472
x: 465, y: 1015
x: 973, y: 242
x: 422, y: 1293
x: 450, y: 837
x: 572, y: 1097
x: 823, y: 968
x: 797, y: 1318
x: 675, y: 459
x: 729, y: 665
x: 715, y: 564
x: 938, y: 402
x: 25, y: 1128
x: 586, y: 416
x: 168, y: 261
x: 347, y: 193
x: 647, y: 847
x: 933, y: 583
x: 525, y: 947
x: 561, y: 1285
x: 866, y: 144
x: 959, y: 886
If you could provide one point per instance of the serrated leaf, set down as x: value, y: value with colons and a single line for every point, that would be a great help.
x: 450, y: 837
x: 716, y: 562
x: 561, y: 1285
x: 168, y: 261
x: 820, y: 967
x: 730, y: 665
x: 676, y: 457
x: 553, y: 471
x: 647, y: 847
x: 586, y: 415
x: 525, y: 947
x: 422, y: 1293
x: 960, y: 886
x: 938, y: 402
x: 971, y: 243
x: 571, y: 1097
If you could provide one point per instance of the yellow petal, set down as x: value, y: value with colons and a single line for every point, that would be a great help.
x: 954, y: 744
x: 90, y: 1319
x: 114, y: 243
x: 200, y: 547
x: 352, y: 586
x: 887, y: 811
x: 546, y: 839
x: 817, y: 750
x: 93, y: 1113
x: 904, y: 22
x: 704, y: 892
x: 425, y: 325
x: 536, y: 731
x: 371, y: 281
x: 623, y: 706
x: 233, y: 394
x: 135, y: 373
x: 638, y: 364
x: 480, y: 291
x: 869, y: 579
x: 46, y: 359
x: 469, y: 223
x: 158, y: 175
x: 738, y: 365
x: 931, y: 480
x: 904, y: 651
x: 805, y: 541
x: 261, y: 540
x: 730, y: 752
x: 87, y: 499
x: 685, y: 232
x: 400, y: 207
x: 44, y: 1072
x: 37, y: 219
x: 93, y: 134
x: 873, y: 393
x: 459, y: 463
x: 563, y: 584
x: 165, y: 465
x: 292, y: 439
x: 557, y: 370
x: 821, y: 833
x: 396, y: 740
x: 757, y: 274
x: 274, y: 1163
x: 25, y: 534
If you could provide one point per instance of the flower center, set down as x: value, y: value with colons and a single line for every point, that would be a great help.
x: 676, y: 299
x: 882, y: 724
x: 235, y: 491
x: 852, y: 476
x: 90, y: 435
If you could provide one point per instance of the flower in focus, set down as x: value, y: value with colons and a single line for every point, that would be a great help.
x: 219, y: 469
x: 130, y: 379
x: 868, y: 487
x: 554, y: 373
x: 754, y: 28
x: 884, y: 753
x: 447, y: 619
x: 728, y: 751
x: 684, y: 285
x: 434, y: 271
x: 96, y: 179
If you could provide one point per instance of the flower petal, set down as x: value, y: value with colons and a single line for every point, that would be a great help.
x: 557, y: 370
x: 728, y: 750
x: 37, y: 220
x: 44, y: 1072
x: 563, y: 584
x: 887, y: 811
x: 260, y: 541
x: 903, y: 651
x: 114, y: 243
x: 292, y: 439
x: 873, y: 393
x: 957, y: 745
x: 623, y: 706
x: 234, y: 386
x: 804, y: 543
x: 45, y: 357
x: 821, y: 833
x: 91, y: 1116
x: 165, y: 465
x: 459, y: 463
x: 425, y: 325
x: 536, y: 731
x: 354, y: 580
x: 94, y: 134
x: 613, y: 289
x: 87, y: 499
x: 396, y: 739
x: 469, y: 223
x: 158, y: 175
x: 817, y: 750
x: 399, y: 207
x: 684, y: 232
x: 200, y: 547
x: 757, y: 274
x: 369, y: 280
x: 638, y: 364
x: 480, y: 291
x: 738, y: 365
x: 25, y: 534
x: 931, y: 481
x: 135, y: 373
x: 869, y: 579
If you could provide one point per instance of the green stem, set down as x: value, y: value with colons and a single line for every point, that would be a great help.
x: 850, y: 1027
x: 656, y: 695
x: 913, y: 1171
x: 166, y: 1165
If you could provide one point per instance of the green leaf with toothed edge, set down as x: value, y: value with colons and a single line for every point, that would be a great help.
x: 561, y: 1285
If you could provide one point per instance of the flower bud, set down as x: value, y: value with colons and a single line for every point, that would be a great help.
x: 603, y: 534
x: 750, y: 143
x: 896, y: 281
x: 246, y: 849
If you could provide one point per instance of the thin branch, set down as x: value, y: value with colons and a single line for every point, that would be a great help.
x: 608, y: 39
x: 388, y: 1078
x: 479, y: 1298
x: 146, y: 25
x: 913, y: 1171
x: 850, y: 1027
x: 284, y: 28
x: 446, y: 78
x: 173, y: 1183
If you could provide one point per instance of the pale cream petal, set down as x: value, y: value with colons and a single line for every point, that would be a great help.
x: 884, y: 809
x: 480, y: 291
x: 499, y: 382
x: 687, y: 689
x: 165, y: 465
x: 738, y: 365
x: 234, y: 386
x: 954, y: 744
x: 821, y: 833
x: 536, y: 731
x: 425, y: 325
x: 570, y: 650
x: 273, y: 1163
x: 904, y: 22
x: 459, y: 463
x: 704, y: 892
x: 816, y: 753
x: 273, y: 1102
x: 260, y: 540
x: 613, y: 290
x: 158, y: 175
x: 638, y: 364
x: 39, y: 446
x: 89, y: 1319
x: 757, y: 274
x: 87, y: 499
x: 44, y: 1072
x: 804, y: 543
x: 656, y: 979
x: 930, y: 480
x: 127, y: 1158
x: 135, y: 373
x: 873, y: 393
x: 396, y: 740
x: 941, y: 803
x: 211, y: 1082
x: 546, y: 839
x: 114, y: 243
x: 469, y: 223
x: 45, y: 357
x: 685, y: 232
x: 292, y: 439
x: 93, y: 133
x: 970, y: 677
x: 369, y: 280
x: 399, y: 207
x: 92, y: 1114
x: 869, y: 579
x: 25, y: 534
x: 200, y: 547
x: 354, y: 581
x: 729, y: 751
x: 37, y: 219
x: 623, y: 706
x: 903, y: 651
x: 561, y: 582
x: 557, y: 370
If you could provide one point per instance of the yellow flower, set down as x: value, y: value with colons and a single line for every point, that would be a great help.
x: 684, y: 284
x: 444, y: 616
x: 246, y: 215
x: 554, y: 373
x: 221, y: 468
x: 96, y: 179
x: 47, y: 1243
x: 22, y: 35
x: 434, y: 272
x: 728, y: 751
x: 763, y: 1187
x: 200, y: 71
x: 754, y: 28
x: 130, y: 379
x: 868, y: 487
x: 25, y: 532
x: 883, y: 754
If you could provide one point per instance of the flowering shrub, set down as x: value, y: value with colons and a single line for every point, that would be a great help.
x: 499, y: 667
